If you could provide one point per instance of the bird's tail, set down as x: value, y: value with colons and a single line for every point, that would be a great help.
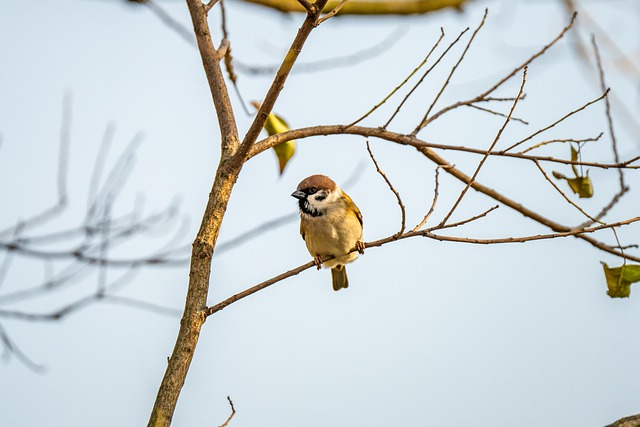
x: 339, y: 277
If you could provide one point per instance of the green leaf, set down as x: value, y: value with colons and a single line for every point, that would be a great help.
x: 619, y: 279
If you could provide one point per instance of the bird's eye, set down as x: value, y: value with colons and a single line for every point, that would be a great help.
x: 312, y: 190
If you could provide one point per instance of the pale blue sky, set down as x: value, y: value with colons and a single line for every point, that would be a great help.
x: 428, y: 333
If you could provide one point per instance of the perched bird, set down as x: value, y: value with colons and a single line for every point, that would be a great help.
x: 330, y: 224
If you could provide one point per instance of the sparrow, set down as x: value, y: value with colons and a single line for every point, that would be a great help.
x: 330, y: 225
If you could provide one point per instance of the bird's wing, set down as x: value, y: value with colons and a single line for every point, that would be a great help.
x: 354, y: 208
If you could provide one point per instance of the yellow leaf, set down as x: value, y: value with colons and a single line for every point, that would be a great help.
x: 275, y: 125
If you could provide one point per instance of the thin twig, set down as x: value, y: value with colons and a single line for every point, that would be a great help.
x: 560, y: 120
x: 12, y: 348
x: 433, y: 202
x: 332, y: 13
x: 467, y: 220
x: 485, y: 94
x: 170, y: 22
x: 423, y: 122
x: 412, y: 141
x: 422, y: 233
x: 496, y: 113
x: 564, y: 196
x: 552, y: 141
x: 426, y: 73
x: 393, y: 190
x: 607, y: 107
x: 488, y: 152
x: 209, y: 6
x: 233, y: 412
x: 379, y: 104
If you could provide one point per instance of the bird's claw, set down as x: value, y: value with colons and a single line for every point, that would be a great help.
x: 318, y: 262
x: 360, y: 247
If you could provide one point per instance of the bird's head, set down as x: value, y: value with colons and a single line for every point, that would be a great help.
x: 316, y: 194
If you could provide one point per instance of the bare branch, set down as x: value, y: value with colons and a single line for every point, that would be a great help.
x: 426, y: 73
x: 496, y: 113
x: 433, y: 202
x: 424, y: 122
x: 560, y: 120
x: 467, y: 220
x: 12, y: 348
x: 420, y: 233
x: 208, y: 6
x: 551, y: 141
x: 607, y: 106
x: 564, y: 196
x: 233, y: 412
x: 379, y: 104
x: 402, y: 139
x: 393, y: 190
x: 485, y: 94
x: 493, y: 144
x: 280, y: 77
x: 332, y: 13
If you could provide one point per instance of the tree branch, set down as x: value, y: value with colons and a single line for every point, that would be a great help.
x: 367, y: 7
x: 429, y: 233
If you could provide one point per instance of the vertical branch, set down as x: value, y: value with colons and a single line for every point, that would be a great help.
x: 202, y: 250
x: 607, y: 107
x: 232, y: 158
x: 217, y: 87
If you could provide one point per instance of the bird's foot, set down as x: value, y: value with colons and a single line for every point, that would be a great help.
x: 360, y: 247
x: 318, y: 262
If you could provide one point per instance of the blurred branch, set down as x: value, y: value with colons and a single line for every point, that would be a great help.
x: 85, y: 246
x: 11, y: 348
x: 347, y: 60
x: 366, y: 7
x: 63, y: 155
x: 632, y: 421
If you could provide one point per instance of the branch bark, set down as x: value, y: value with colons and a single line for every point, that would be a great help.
x: 194, y: 314
x: 233, y: 155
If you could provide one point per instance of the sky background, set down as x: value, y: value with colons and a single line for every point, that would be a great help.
x: 428, y: 333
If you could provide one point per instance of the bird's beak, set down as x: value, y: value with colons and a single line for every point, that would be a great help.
x: 299, y: 195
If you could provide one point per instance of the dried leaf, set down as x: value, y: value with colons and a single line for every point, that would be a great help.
x: 619, y: 279
x: 580, y: 185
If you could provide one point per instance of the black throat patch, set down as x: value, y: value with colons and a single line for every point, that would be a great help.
x: 306, y: 208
